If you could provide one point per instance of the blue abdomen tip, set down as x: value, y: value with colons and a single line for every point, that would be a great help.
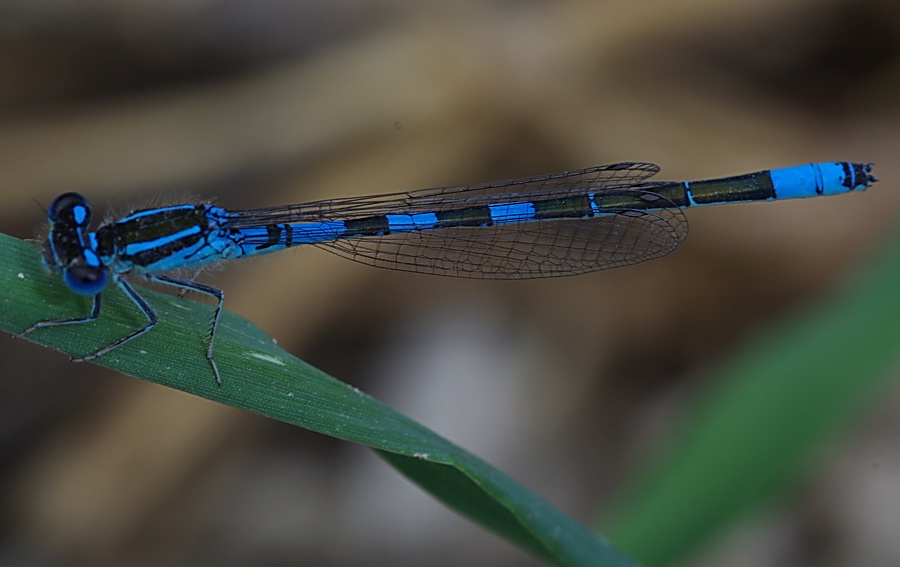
x: 829, y: 178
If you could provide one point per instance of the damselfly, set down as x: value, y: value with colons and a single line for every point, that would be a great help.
x: 552, y: 225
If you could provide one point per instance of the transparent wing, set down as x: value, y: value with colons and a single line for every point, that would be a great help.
x: 635, y: 225
x: 428, y: 200
x: 534, y: 249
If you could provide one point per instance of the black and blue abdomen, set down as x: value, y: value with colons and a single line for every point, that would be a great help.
x: 811, y: 180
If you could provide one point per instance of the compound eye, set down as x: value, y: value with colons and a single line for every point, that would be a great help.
x: 70, y: 206
x: 85, y: 280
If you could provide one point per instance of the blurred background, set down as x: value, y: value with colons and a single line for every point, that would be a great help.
x: 565, y: 384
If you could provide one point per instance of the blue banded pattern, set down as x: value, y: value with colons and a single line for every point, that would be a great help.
x: 552, y: 225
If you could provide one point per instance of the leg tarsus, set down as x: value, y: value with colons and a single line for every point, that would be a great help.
x: 95, y: 313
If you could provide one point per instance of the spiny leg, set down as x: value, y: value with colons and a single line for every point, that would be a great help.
x: 141, y: 303
x: 95, y: 313
x: 216, y: 293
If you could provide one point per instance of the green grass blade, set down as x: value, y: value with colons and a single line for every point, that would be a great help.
x: 765, y: 418
x: 260, y: 377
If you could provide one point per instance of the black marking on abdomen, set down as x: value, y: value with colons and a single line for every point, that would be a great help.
x: 566, y: 207
x: 273, y: 236
x: 368, y: 226
x: 470, y: 216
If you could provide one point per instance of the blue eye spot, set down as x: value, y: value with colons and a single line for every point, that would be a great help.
x: 70, y: 203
